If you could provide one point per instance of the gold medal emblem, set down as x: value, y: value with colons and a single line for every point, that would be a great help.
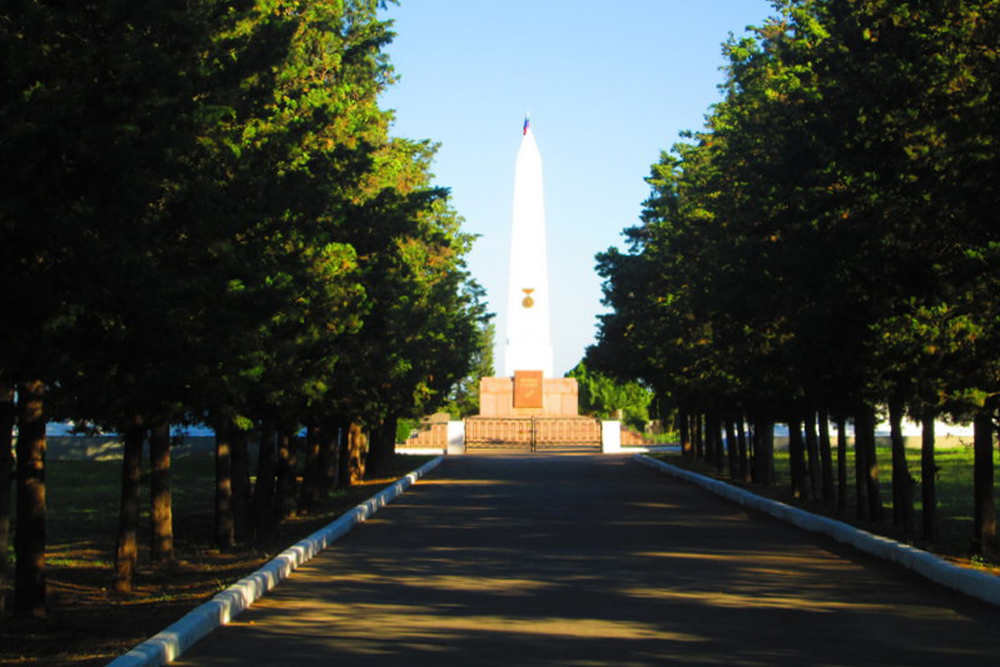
x: 527, y: 302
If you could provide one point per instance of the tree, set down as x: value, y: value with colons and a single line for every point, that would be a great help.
x: 605, y: 397
x: 93, y: 109
x: 464, y: 399
x: 424, y: 327
x: 823, y: 245
x: 8, y: 416
x: 291, y: 141
x: 29, y: 537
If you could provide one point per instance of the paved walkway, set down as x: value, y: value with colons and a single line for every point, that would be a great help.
x: 589, y: 560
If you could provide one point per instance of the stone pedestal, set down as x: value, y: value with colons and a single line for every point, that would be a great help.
x: 560, y: 398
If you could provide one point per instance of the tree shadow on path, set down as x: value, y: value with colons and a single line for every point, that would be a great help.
x: 587, y: 560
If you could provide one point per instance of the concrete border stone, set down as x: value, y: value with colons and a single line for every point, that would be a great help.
x: 167, y: 645
x: 611, y: 437
x: 456, y: 438
x: 971, y: 582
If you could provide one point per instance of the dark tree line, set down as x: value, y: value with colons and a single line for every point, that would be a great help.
x: 204, y: 219
x: 827, y: 251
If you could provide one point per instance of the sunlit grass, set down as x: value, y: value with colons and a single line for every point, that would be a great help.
x: 954, y: 490
x: 93, y: 623
x: 57, y: 561
x: 83, y: 498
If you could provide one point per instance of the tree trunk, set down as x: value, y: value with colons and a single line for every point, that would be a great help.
x: 344, y: 457
x: 356, y: 455
x: 713, y: 440
x: 697, y: 436
x: 225, y: 521
x: 8, y: 416
x: 329, y: 457
x: 309, y: 495
x: 29, y: 538
x: 732, y: 449
x: 743, y: 450
x: 718, y: 428
x: 263, y: 492
x: 241, y: 481
x: 703, y: 435
x: 815, y: 464
x: 898, y: 461
x: 902, y: 482
x: 161, y: 541
x: 127, y: 551
x: 826, y: 457
x: 860, y: 465
x: 797, y: 460
x: 860, y: 468
x: 383, y: 444
x: 928, y: 476
x: 684, y: 428
x: 875, y: 507
x: 841, y: 464
x: 284, y: 501
x: 763, y: 434
x: 984, y: 514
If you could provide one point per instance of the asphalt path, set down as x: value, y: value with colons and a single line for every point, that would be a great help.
x: 594, y: 560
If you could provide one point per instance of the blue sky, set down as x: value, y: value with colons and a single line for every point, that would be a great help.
x: 608, y: 86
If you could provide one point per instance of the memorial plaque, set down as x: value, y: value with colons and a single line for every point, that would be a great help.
x: 528, y: 389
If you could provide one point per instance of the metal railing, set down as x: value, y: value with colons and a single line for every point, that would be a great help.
x: 532, y: 433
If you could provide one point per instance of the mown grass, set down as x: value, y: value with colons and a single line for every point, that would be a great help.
x: 954, y: 487
x: 88, y: 624
x: 84, y: 497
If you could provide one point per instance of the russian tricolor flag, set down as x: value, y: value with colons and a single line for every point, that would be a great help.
x: 525, y: 125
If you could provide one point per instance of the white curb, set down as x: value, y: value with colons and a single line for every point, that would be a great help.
x: 971, y: 582
x: 167, y: 645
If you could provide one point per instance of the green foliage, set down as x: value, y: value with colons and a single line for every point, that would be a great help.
x: 464, y: 398
x: 827, y: 240
x: 204, y: 215
x: 607, y: 398
x: 405, y: 427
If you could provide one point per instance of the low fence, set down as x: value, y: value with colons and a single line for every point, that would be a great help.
x: 532, y: 433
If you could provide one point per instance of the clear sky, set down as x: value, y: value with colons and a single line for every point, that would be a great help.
x: 608, y: 85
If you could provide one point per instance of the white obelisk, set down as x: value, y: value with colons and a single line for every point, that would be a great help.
x: 529, y: 339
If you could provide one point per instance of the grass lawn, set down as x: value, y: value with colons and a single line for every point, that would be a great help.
x: 954, y: 486
x: 88, y: 624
